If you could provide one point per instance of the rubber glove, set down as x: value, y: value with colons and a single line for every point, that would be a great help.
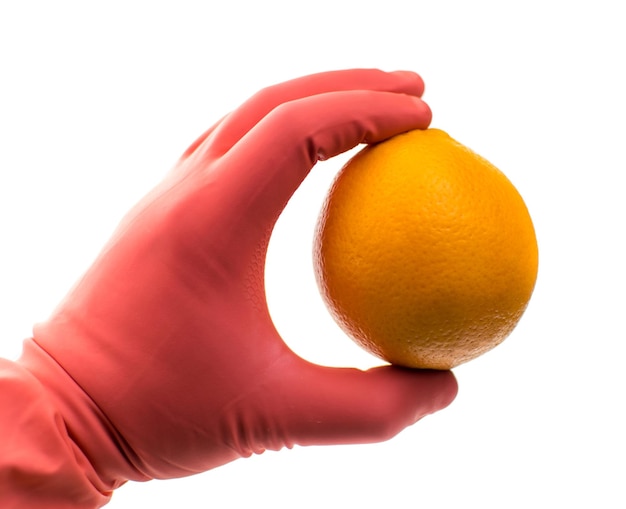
x: 163, y: 360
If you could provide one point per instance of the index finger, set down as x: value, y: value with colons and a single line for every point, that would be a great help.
x: 262, y: 171
x: 240, y: 121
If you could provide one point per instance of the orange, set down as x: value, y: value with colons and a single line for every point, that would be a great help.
x: 424, y: 252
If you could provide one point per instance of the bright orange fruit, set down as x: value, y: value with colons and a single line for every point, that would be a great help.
x: 425, y: 253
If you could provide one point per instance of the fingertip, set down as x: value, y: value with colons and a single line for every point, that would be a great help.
x: 412, y: 394
x: 430, y: 390
x: 415, y: 83
x: 425, y: 113
x: 448, y: 388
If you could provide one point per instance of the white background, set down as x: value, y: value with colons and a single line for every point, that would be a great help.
x: 98, y: 100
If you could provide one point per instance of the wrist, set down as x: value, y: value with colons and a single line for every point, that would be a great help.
x: 99, y: 450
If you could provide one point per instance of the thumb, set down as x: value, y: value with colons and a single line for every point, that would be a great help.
x: 344, y: 406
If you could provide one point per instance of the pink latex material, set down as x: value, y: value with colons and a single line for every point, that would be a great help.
x: 163, y: 360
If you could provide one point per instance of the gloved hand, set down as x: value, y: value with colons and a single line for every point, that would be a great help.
x: 163, y: 360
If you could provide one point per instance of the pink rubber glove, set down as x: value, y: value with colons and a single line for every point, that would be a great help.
x: 163, y: 361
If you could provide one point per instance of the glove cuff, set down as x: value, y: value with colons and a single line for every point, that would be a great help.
x: 100, y: 450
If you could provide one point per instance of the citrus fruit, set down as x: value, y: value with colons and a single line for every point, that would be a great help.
x: 424, y: 252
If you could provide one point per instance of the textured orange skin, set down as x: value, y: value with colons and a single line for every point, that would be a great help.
x: 425, y: 253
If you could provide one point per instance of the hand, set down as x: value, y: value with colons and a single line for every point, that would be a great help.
x: 164, y: 361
